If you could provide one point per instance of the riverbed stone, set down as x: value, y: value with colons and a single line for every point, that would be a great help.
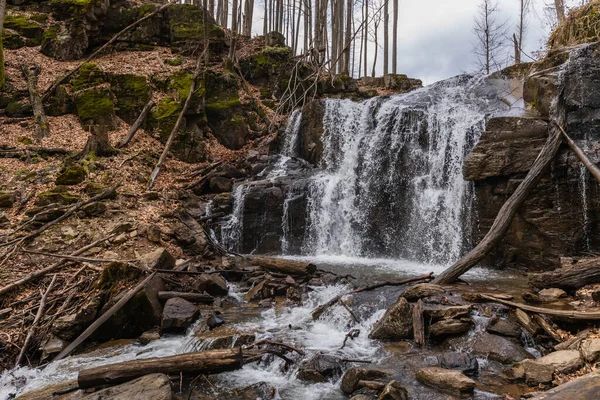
x: 584, y: 387
x: 448, y: 380
x: 503, y: 327
x: 178, y: 314
x: 552, y: 294
x: 393, y: 391
x: 449, y: 312
x: 498, y: 348
x: 590, y: 350
x: 52, y: 346
x: 149, y: 336
x: 320, y: 368
x: 353, y: 375
x: 465, y: 362
x: 152, y: 386
x: 564, y: 360
x: 157, y: 259
x: 537, y: 373
x: 396, y: 323
x: 213, y: 284
x: 421, y: 290
x: 450, y: 327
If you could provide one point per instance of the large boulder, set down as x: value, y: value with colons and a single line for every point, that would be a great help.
x: 499, y: 348
x: 178, y: 315
x: 564, y: 361
x: 396, y: 323
x: 213, y: 284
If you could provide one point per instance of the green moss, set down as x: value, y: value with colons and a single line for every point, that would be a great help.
x: 18, y: 109
x: 88, y: 75
x: 187, y: 29
x: 24, y: 27
x: 132, y: 93
x: 11, y: 40
x: 41, y: 18
x: 181, y: 82
x: 221, y: 93
x: 68, y: 9
x: 175, y: 62
x: 164, y: 116
x: 58, y: 195
x: 72, y: 174
x: 25, y: 140
x: 95, y: 106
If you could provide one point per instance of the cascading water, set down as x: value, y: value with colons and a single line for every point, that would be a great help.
x: 389, y: 182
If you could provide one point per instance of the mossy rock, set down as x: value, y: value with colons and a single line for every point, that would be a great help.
x: 72, y: 174
x: 263, y: 65
x: 96, y: 106
x: 174, y: 62
x: 66, y: 41
x: 582, y: 25
x: 70, y: 9
x: 18, y: 109
x: 164, y: 116
x: 58, y: 195
x: 89, y: 75
x: 11, y: 40
x: 94, y: 189
x: 187, y: 29
x: 21, y: 24
x: 115, y: 274
x: 25, y: 140
x: 7, y: 199
x: 132, y: 93
x: 179, y: 84
x: 150, y: 33
x: 60, y: 103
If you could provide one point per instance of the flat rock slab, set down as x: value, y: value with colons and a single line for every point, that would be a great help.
x: 450, y: 327
x: 584, y: 387
x: 564, y: 360
x: 353, y: 375
x: 465, y: 362
x: 447, y: 380
x: 537, y: 373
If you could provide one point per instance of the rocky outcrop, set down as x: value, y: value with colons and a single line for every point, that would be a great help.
x: 395, y: 324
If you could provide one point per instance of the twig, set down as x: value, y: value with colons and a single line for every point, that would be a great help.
x: 273, y: 343
x: 75, y: 258
x: 38, y: 316
x: 350, y: 335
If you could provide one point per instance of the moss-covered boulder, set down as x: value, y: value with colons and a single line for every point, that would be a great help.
x: 263, y: 67
x: 152, y: 32
x: 89, y: 75
x: 187, y: 28
x: 95, y: 106
x: 178, y: 86
x: 164, y: 115
x: 132, y: 93
x: 60, y: 103
x: 65, y: 41
x: 11, y: 40
x: 7, y: 199
x: 58, y: 195
x: 25, y: 27
x: 18, y: 109
x: 71, y: 174
x: 78, y: 9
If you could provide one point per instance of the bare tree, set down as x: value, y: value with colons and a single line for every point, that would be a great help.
x: 395, y: 39
x: 559, y: 5
x: 518, y: 37
x: 2, y: 70
x: 490, y: 33
x: 386, y: 38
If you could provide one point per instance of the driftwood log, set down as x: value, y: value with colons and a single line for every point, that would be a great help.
x: 289, y: 267
x: 565, y: 314
x: 202, y: 298
x: 205, y: 362
x: 573, y: 277
x: 418, y: 324
x: 42, y: 127
x: 136, y: 125
x: 506, y: 213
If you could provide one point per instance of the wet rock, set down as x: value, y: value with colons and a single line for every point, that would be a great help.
x: 7, y: 199
x: 353, y: 375
x: 220, y: 339
x: 214, y: 320
x: 157, y: 259
x: 465, y: 362
x: 584, y: 387
x: 552, y: 293
x: 450, y: 327
x: 260, y: 390
x: 68, y: 327
x: 320, y: 368
x: 499, y: 349
x: 564, y: 360
x: 178, y: 315
x: 393, y: 391
x: 446, y: 379
x: 213, y: 284
x: 193, y: 241
x: 526, y: 322
x: 441, y: 312
x: 219, y: 184
x: 503, y: 327
x: 361, y: 397
x: 395, y: 324
x: 52, y: 346
x: 537, y: 373
x: 421, y: 290
x: 149, y: 336
x: 590, y: 350
x: 153, y: 386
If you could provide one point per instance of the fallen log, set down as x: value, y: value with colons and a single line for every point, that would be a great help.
x: 200, y: 363
x: 569, y: 278
x: 191, y: 297
x: 103, y: 318
x: 289, y: 267
x: 594, y: 170
x: 507, y: 212
x: 548, y: 328
x: 42, y: 127
x: 572, y: 315
x: 418, y: 324
x: 136, y: 125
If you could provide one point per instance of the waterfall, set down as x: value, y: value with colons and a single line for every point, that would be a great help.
x: 389, y: 181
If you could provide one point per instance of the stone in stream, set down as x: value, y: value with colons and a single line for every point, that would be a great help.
x: 552, y: 293
x: 421, y: 290
x: 448, y: 380
x: 157, y: 259
x: 465, y: 362
x: 393, y: 391
x: 259, y: 390
x: 590, y: 350
x: 537, y: 373
x: 564, y: 360
x: 395, y: 324
x: 152, y: 386
x: 213, y: 284
x: 498, y: 348
x: 320, y: 368
x: 450, y: 327
x: 361, y: 397
x: 441, y: 312
x: 503, y: 327
x: 178, y: 315
x: 149, y: 336
x: 52, y: 346
x: 353, y: 375
x: 583, y: 388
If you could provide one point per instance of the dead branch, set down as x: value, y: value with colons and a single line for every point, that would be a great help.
x: 38, y: 316
x: 136, y: 125
x: 573, y: 315
x: 76, y: 258
x: 350, y: 335
x: 418, y: 324
x: 104, y: 317
x: 594, y: 170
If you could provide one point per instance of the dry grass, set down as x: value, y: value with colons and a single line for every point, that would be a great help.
x: 581, y: 26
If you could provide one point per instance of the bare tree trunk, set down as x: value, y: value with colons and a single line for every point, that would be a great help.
x: 362, y: 34
x: 560, y: 10
x: 98, y: 143
x: 248, y: 15
x: 506, y: 213
x: 376, y: 47
x: 348, y: 38
x: 297, y: 30
x: 211, y: 8
x: 137, y: 124
x: 2, y: 68
x: 395, y: 40
x: 307, y: 25
x: 42, y: 128
x: 366, y: 36
x: 266, y: 18
x: 517, y: 50
x: 386, y: 38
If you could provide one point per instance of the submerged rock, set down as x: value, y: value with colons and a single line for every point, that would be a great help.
x: 395, y: 324
x: 465, y: 362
